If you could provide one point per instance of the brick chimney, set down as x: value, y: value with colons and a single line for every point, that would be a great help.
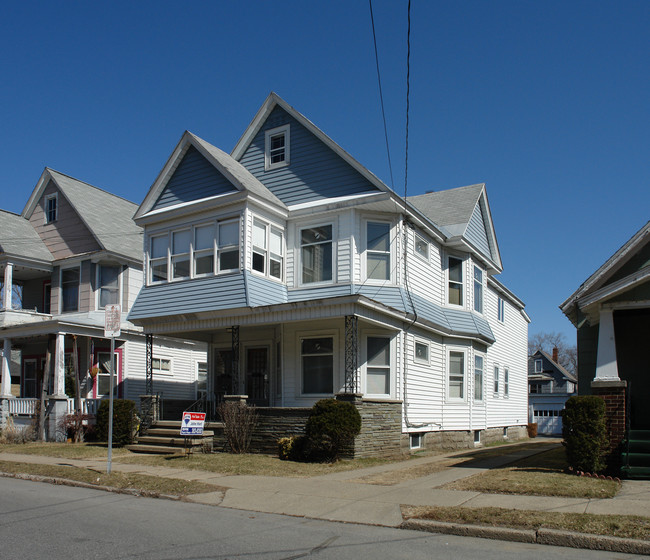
x: 555, y: 354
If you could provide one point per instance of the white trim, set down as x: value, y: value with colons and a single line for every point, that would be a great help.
x: 461, y: 283
x: 464, y: 386
x: 391, y: 366
x: 476, y: 283
x: 298, y: 268
x: 46, y: 211
x: 310, y: 335
x: 482, y: 357
x: 99, y: 286
x: 284, y: 130
x: 417, y: 237
x: 365, y: 221
x: 423, y: 342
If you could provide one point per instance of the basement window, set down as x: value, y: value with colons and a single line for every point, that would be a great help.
x: 415, y: 441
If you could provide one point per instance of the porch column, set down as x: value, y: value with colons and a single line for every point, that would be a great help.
x: 59, y: 366
x: 5, y: 383
x: 236, y: 377
x: 351, y: 353
x: 606, y: 368
x: 8, y: 284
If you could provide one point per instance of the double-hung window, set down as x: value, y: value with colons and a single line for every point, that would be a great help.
x: 51, y: 208
x: 478, y: 378
x: 455, y: 281
x: 478, y: 289
x: 538, y: 366
x: 316, y: 248
x: 276, y: 152
x: 181, y: 254
x: 496, y: 380
x: 161, y: 366
x: 70, y: 289
x: 501, y: 311
x: 109, y: 285
x: 378, y: 250
x: 158, y: 258
x: 203, y: 250
x: 103, y: 378
x: 456, y: 375
x: 506, y: 382
x: 228, y: 244
x: 317, y: 361
x: 378, y: 365
x: 268, y: 244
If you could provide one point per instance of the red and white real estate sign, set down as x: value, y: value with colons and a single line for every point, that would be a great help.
x: 192, y: 423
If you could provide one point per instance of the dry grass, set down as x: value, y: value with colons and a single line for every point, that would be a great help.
x: 170, y: 486
x: 540, y: 475
x: 64, y: 450
x: 625, y: 526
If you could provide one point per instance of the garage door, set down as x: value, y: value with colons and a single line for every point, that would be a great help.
x: 548, y: 420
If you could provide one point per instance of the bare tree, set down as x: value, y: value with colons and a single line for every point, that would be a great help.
x: 546, y: 341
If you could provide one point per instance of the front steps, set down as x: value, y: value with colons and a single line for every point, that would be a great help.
x: 163, y: 438
x: 636, y: 455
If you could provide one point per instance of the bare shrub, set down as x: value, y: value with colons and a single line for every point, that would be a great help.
x: 15, y: 434
x: 74, y: 426
x: 239, y: 422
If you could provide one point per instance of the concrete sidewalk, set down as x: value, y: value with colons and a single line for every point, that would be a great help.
x: 343, y: 496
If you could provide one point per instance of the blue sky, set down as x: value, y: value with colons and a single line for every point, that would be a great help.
x: 546, y: 102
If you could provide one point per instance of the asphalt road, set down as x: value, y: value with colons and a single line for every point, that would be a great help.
x: 39, y: 520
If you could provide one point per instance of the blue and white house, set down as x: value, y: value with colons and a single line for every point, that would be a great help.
x: 308, y: 277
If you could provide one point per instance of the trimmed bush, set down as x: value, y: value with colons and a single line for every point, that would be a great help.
x: 125, y: 421
x: 331, y: 426
x: 584, y: 431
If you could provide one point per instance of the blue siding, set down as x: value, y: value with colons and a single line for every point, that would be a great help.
x: 262, y: 292
x: 192, y: 296
x: 307, y: 294
x: 476, y: 233
x: 194, y: 178
x: 315, y: 172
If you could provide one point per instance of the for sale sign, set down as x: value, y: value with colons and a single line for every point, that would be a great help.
x: 192, y: 423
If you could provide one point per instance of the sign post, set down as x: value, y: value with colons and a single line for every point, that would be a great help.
x: 112, y: 320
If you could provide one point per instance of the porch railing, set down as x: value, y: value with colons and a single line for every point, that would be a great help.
x: 28, y: 407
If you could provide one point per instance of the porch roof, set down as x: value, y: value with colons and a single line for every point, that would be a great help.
x: 207, y: 298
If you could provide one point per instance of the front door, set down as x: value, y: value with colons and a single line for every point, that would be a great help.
x: 257, y: 375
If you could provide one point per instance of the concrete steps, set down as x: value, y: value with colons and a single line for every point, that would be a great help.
x: 164, y: 438
x: 636, y: 455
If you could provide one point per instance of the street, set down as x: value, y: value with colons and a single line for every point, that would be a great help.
x: 58, y: 522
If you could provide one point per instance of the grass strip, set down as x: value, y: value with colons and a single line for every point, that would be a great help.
x: 624, y: 526
x: 63, y: 450
x: 170, y: 486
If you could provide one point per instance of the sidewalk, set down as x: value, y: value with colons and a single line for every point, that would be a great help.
x: 343, y: 497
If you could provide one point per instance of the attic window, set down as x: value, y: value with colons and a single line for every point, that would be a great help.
x: 50, y: 208
x: 276, y: 152
x: 538, y: 366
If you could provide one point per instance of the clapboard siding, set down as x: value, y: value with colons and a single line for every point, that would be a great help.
x: 315, y: 171
x: 262, y: 291
x: 194, y: 178
x: 66, y: 236
x: 476, y: 232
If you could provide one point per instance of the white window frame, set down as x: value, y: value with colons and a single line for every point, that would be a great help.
x: 389, y: 252
x: 299, y: 260
x: 268, y: 135
x: 539, y: 366
x: 421, y: 255
x: 266, y: 253
x: 198, y: 366
x: 152, y: 260
x: 98, y: 292
x: 47, y: 210
x: 506, y: 382
x: 202, y: 253
x: 301, y: 336
x: 496, y: 380
x: 501, y: 310
x: 226, y: 248
x: 180, y: 256
x: 117, y: 356
x: 481, y: 397
x: 478, y: 289
x: 460, y: 283
x: 415, y: 440
x: 390, y: 367
x: 425, y: 343
x: 159, y: 370
x: 61, y: 301
x: 463, y: 396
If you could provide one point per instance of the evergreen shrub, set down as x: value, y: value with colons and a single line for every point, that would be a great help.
x: 125, y: 421
x: 331, y: 426
x: 584, y: 431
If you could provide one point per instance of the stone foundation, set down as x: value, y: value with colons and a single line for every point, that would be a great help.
x: 464, y: 439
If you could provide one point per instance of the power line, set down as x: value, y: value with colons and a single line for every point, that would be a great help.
x: 381, y: 96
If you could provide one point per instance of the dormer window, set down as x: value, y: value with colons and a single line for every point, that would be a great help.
x: 276, y: 152
x: 51, y: 208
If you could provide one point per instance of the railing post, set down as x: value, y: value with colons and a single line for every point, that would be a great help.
x: 351, y: 353
x: 235, y: 359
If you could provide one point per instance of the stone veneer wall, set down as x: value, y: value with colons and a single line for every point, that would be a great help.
x: 464, y: 439
x: 613, y: 393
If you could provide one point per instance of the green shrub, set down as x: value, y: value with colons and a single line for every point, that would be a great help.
x: 125, y: 421
x: 585, y: 433
x: 330, y: 428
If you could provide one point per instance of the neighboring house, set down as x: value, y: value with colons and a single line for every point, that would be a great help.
x: 72, y: 251
x: 611, y: 311
x: 309, y: 277
x: 549, y: 387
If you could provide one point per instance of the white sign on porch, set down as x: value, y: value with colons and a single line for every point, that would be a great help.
x: 112, y: 320
x: 192, y: 423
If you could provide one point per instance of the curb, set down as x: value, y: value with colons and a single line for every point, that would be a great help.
x: 552, y: 537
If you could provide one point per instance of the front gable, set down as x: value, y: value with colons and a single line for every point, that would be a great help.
x: 194, y: 178
x: 318, y: 168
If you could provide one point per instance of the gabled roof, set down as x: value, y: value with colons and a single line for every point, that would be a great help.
x: 19, y: 239
x: 463, y: 213
x: 265, y: 110
x: 594, y: 289
x: 240, y: 178
x: 558, y: 367
x: 107, y: 216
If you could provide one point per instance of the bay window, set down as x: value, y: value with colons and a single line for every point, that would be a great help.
x: 378, y: 251
x: 180, y: 254
x: 316, y: 249
x: 268, y: 249
x: 203, y: 254
x: 228, y: 244
x: 455, y: 281
x: 158, y: 258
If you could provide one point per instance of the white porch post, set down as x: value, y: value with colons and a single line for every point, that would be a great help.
x: 59, y: 366
x: 8, y: 283
x: 5, y: 383
x: 606, y: 368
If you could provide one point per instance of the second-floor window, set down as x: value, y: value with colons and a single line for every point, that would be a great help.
x: 70, y: 289
x: 378, y: 250
x: 501, y: 310
x: 109, y: 285
x: 316, y: 250
x: 203, y: 254
x: 158, y: 258
x: 478, y: 289
x: 228, y: 245
x: 181, y: 254
x: 455, y: 279
x: 268, y: 244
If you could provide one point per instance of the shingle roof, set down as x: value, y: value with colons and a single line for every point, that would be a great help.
x: 109, y: 217
x: 19, y: 238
